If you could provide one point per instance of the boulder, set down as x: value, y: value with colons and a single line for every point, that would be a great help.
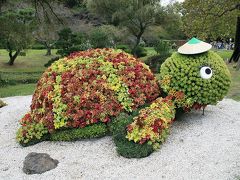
x: 38, y: 163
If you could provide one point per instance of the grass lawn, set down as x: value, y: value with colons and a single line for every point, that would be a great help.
x: 150, y: 52
x: 25, y: 72
x: 17, y: 90
x: 225, y: 54
x: 33, y: 61
x: 28, y: 69
x: 234, y: 92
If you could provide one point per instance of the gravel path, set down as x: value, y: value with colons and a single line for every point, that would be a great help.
x: 199, y: 147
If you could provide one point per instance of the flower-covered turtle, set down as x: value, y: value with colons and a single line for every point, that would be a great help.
x: 86, y: 88
x: 94, y: 92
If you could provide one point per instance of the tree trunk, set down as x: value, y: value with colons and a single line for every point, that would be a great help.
x: 138, y: 40
x: 236, y: 53
x: 49, y: 51
x: 136, y: 45
x: 13, y: 57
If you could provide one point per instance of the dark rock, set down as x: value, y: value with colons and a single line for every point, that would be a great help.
x: 38, y: 163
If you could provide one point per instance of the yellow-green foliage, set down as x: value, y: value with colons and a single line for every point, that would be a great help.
x: 30, y: 130
x: 182, y: 73
x: 152, y: 123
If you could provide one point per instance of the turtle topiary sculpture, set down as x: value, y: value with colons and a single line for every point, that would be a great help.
x: 86, y: 88
x: 104, y: 91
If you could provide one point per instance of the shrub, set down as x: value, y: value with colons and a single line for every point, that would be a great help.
x: 38, y: 46
x: 163, y: 48
x: 139, y: 51
x: 52, y: 60
x: 155, y: 62
x: 73, y: 3
x: 151, y: 36
x: 22, y: 53
x: 150, y: 40
x: 89, y: 87
x: 124, y: 47
x: 2, y: 81
x: 2, y: 103
x: 100, y: 38
x: 142, y: 43
x: 183, y: 73
x: 69, y: 42
x: 105, y: 36
x: 85, y: 45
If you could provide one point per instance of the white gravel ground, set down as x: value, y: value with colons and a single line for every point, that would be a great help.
x: 199, y: 147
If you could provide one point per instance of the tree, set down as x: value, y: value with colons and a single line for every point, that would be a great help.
x: 209, y: 19
x: 135, y: 15
x: 2, y: 2
x: 46, y: 34
x: 69, y: 42
x: 73, y: 3
x: 16, y: 31
x: 171, y: 21
x: 104, y: 36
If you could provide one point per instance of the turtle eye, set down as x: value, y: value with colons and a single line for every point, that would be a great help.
x: 206, y: 72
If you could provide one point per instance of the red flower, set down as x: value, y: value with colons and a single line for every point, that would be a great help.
x: 129, y: 128
x: 83, y: 124
x: 155, y: 128
x: 142, y: 141
x: 186, y: 109
x: 105, y: 120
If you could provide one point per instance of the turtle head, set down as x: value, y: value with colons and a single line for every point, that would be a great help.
x: 203, y: 78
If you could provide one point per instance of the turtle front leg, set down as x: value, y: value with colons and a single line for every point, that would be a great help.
x: 137, y: 137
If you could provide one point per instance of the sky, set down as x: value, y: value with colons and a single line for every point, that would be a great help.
x: 165, y: 2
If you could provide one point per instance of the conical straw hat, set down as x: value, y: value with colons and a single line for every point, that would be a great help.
x: 194, y: 46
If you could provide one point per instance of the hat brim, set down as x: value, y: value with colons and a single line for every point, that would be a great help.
x: 194, y: 48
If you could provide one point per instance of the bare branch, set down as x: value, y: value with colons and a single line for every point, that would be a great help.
x: 52, y: 11
x: 48, y: 5
x: 229, y: 10
x: 225, y: 11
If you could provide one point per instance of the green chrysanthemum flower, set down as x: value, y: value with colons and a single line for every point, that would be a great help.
x: 204, y: 78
